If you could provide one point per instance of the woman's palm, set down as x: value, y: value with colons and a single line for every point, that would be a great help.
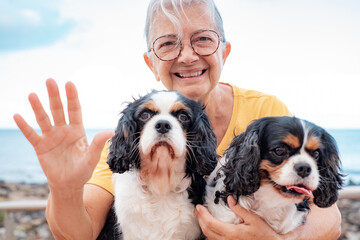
x: 63, y: 152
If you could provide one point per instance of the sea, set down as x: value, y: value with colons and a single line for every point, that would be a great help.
x: 18, y: 161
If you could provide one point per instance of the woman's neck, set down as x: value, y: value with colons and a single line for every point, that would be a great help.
x: 219, y: 109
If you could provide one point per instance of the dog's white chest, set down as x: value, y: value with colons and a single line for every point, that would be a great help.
x: 280, y: 213
x: 145, y: 216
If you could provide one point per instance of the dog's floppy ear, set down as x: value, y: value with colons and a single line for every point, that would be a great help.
x: 201, y: 156
x: 242, y: 163
x: 123, y: 152
x: 331, y: 180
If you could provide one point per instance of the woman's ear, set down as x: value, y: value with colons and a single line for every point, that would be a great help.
x: 149, y: 62
x: 226, y: 51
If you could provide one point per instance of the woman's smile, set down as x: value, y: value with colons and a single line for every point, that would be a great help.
x: 190, y: 73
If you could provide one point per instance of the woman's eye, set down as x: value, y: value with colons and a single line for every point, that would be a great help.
x: 145, y: 116
x: 202, y: 39
x: 167, y: 44
x: 316, y: 154
x: 280, y: 151
x: 183, y: 117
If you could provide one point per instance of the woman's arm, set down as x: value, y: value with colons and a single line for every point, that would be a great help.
x: 255, y: 227
x: 89, y: 208
x: 321, y: 223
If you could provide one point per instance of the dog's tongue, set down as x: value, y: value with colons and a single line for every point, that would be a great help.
x: 300, y: 189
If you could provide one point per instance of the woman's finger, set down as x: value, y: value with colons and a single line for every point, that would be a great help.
x: 247, y: 216
x: 41, y: 116
x: 56, y: 105
x: 212, y: 227
x: 252, y: 222
x: 27, y: 131
x: 74, y: 107
x: 239, y: 210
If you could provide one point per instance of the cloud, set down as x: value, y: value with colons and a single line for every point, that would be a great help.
x: 31, y: 16
x: 25, y: 25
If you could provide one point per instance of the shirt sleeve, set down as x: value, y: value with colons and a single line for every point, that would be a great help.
x: 102, y: 175
x: 275, y: 108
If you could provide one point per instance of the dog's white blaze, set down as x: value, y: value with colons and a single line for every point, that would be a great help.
x: 165, y: 100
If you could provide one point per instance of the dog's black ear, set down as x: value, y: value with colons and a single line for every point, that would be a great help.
x: 331, y: 178
x: 123, y: 151
x: 242, y: 163
x: 201, y: 143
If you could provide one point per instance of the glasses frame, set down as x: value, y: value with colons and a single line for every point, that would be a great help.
x: 181, y: 45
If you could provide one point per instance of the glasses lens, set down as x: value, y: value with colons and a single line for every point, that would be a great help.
x: 167, y: 47
x: 205, y: 42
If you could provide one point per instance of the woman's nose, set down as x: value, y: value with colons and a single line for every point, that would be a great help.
x: 187, y: 54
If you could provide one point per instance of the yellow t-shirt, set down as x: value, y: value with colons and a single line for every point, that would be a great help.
x: 248, y: 106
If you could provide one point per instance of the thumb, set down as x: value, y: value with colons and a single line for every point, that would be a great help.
x: 247, y: 216
x: 201, y: 212
x: 238, y: 209
x: 97, y: 145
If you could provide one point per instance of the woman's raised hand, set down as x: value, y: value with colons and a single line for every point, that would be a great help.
x: 63, y: 151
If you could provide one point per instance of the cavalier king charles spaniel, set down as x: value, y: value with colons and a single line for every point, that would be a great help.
x: 276, y: 168
x: 162, y: 149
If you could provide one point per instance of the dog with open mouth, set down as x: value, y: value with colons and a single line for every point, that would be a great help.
x: 276, y: 168
x: 162, y: 148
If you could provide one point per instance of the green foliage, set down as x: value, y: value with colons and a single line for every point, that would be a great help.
x: 2, y: 218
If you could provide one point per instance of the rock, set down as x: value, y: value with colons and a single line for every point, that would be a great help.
x: 352, y: 236
x: 3, y: 193
x: 354, y: 218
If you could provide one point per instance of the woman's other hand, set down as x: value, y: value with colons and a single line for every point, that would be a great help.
x: 253, y: 227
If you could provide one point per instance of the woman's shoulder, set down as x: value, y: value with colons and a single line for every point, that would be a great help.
x: 250, y: 93
x: 250, y: 105
x: 259, y: 103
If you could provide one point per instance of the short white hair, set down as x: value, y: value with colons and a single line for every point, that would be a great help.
x: 173, y: 9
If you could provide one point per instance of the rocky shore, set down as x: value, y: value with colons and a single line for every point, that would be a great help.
x: 33, y: 225
x: 28, y: 225
x: 350, y: 215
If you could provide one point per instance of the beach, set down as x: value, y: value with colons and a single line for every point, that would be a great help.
x: 33, y: 225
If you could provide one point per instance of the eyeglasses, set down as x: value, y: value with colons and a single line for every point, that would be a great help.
x: 169, y: 47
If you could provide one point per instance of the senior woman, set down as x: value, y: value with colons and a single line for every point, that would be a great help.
x: 186, y: 52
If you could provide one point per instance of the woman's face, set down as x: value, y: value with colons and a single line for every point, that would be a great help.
x: 192, y: 75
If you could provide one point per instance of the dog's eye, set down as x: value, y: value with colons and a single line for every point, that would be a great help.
x: 316, y: 154
x: 144, y: 116
x: 280, y: 151
x: 183, y: 117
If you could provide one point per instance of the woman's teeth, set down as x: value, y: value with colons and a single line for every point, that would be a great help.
x: 188, y: 75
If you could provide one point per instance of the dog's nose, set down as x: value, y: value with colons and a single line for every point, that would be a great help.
x: 163, y: 126
x: 303, y: 169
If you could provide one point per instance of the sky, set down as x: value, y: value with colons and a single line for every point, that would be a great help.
x: 307, y: 53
